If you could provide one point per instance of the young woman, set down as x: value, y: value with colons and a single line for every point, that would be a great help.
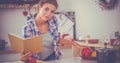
x: 44, y: 24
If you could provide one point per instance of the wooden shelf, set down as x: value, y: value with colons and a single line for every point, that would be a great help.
x: 17, y: 6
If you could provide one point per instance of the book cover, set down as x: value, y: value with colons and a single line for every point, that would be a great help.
x: 20, y: 45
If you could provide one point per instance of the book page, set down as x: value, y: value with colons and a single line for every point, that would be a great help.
x: 16, y: 43
x: 34, y: 44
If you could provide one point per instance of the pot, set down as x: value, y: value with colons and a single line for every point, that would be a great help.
x: 2, y: 44
x: 106, y: 55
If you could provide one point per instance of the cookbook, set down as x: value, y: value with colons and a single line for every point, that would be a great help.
x: 20, y: 45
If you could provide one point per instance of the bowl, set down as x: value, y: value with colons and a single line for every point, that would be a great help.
x: 93, y: 41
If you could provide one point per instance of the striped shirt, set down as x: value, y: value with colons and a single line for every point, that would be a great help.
x: 30, y: 30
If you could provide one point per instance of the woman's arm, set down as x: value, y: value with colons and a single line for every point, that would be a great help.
x: 63, y: 42
x: 27, y: 33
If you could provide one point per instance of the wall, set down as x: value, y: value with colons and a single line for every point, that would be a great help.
x: 12, y: 21
x: 90, y: 19
x: 97, y: 23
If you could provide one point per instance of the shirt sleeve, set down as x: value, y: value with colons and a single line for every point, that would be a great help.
x: 27, y: 32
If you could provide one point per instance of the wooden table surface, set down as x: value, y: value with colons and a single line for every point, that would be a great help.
x: 100, y: 44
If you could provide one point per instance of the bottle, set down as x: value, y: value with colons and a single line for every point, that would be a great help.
x: 87, y: 38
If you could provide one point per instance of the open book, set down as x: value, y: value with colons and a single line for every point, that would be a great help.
x: 19, y: 44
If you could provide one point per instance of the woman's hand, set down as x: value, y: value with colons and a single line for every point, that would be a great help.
x: 65, y: 41
x: 69, y: 41
x: 76, y: 44
x: 25, y: 56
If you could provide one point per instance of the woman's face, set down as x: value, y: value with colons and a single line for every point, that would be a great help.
x: 46, y: 11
